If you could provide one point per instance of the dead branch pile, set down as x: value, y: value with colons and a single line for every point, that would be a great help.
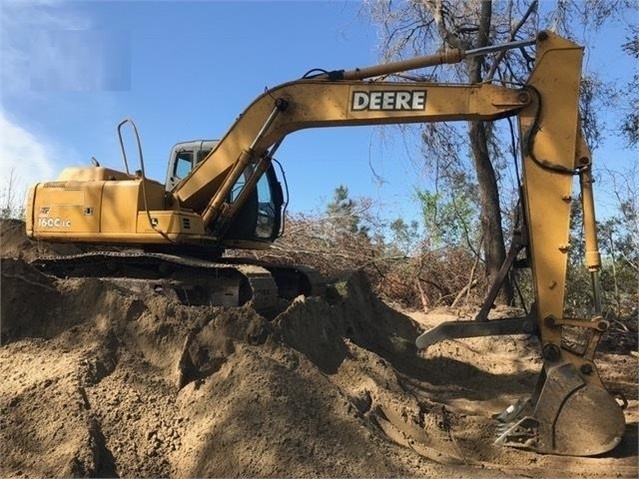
x: 448, y: 276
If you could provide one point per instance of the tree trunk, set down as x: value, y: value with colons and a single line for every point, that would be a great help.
x: 494, y: 247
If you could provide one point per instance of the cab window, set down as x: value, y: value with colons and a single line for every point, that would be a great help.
x: 183, y: 164
x: 266, y: 210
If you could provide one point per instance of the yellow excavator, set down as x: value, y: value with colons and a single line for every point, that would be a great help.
x: 226, y: 194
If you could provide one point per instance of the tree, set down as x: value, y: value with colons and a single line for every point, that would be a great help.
x: 447, y: 219
x: 405, y: 237
x: 418, y: 27
x: 10, y: 200
x: 630, y: 124
x: 343, y: 214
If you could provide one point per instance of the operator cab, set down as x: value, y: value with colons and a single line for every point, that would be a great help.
x: 260, y: 219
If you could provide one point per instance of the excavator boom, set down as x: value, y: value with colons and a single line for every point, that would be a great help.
x: 312, y: 103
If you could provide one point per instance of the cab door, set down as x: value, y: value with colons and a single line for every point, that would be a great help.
x: 260, y: 218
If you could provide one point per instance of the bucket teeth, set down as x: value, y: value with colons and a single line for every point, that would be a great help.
x: 522, y: 434
x: 513, y: 430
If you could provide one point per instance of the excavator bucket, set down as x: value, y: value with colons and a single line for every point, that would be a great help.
x: 569, y: 415
x: 570, y: 412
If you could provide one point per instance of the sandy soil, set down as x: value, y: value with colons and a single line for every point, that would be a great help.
x: 100, y: 382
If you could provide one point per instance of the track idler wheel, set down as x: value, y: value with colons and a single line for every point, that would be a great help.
x: 572, y: 414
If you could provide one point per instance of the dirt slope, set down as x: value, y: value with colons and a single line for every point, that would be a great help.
x: 98, y: 382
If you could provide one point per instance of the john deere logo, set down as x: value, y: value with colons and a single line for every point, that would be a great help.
x: 400, y: 100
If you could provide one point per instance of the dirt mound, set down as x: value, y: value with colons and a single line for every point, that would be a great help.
x: 99, y: 382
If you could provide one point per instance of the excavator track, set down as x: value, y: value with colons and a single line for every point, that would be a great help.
x: 191, y: 280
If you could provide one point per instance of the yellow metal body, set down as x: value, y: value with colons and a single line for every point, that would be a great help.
x: 101, y: 205
x: 554, y: 117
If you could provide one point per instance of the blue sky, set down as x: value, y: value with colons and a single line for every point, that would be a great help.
x: 184, y: 70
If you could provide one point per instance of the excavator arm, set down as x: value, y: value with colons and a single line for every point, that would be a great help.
x: 571, y: 412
